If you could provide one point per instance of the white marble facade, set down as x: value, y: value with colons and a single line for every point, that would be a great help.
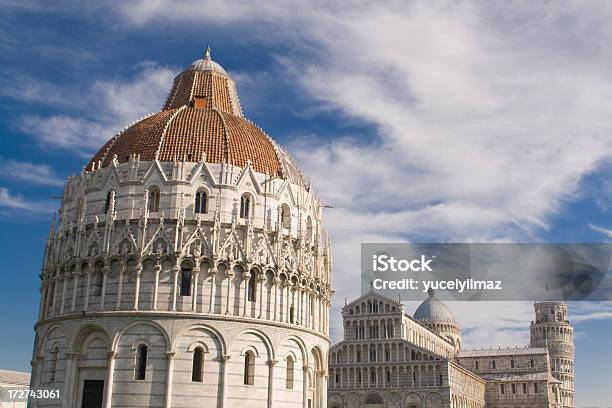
x: 184, y: 283
x: 390, y: 359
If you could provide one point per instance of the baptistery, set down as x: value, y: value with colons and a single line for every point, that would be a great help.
x: 188, y: 266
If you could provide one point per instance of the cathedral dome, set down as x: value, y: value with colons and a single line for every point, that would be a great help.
x: 201, y: 121
x: 433, y: 310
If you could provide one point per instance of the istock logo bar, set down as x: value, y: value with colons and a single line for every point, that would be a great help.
x: 384, y: 263
x: 488, y: 271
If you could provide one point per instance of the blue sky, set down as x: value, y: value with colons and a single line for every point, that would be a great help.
x: 477, y: 121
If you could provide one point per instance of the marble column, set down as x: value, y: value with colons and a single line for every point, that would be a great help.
x: 246, y: 276
x: 138, y: 273
x: 64, y: 287
x: 224, y: 385
x: 175, y: 269
x: 157, y: 270
x: 275, y: 283
x: 169, y: 375
x: 229, y: 275
x: 120, y: 287
x: 105, y: 274
x: 108, y: 392
x: 75, y: 288
x: 271, y: 365
x: 213, y: 286
x: 305, y: 386
x: 194, y: 294
x: 55, y: 282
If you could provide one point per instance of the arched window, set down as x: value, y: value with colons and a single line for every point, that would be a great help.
x: 249, y: 368
x: 53, y: 369
x: 374, y: 399
x: 96, y: 283
x: 141, y: 359
x: 252, y: 292
x: 153, y: 204
x: 186, y: 282
x: 198, y: 363
x: 245, y: 205
x: 107, y: 205
x: 201, y: 203
x: 290, y: 368
x: 308, y: 228
x: 285, y: 216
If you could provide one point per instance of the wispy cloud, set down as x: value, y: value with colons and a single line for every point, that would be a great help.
x: 587, y: 311
x: 101, y: 110
x: 605, y: 231
x: 11, y: 204
x: 40, y: 174
x: 487, y: 116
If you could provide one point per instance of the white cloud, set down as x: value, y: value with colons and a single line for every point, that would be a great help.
x: 587, y: 311
x: 488, y: 116
x: 40, y: 174
x: 605, y: 231
x: 104, y: 108
x: 10, y: 204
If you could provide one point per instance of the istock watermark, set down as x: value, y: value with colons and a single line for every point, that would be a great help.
x: 467, y: 271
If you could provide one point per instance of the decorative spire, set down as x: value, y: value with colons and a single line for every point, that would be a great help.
x: 207, y: 53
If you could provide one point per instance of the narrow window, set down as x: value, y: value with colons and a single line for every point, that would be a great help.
x: 290, y: 368
x: 358, y: 356
x: 532, y: 363
x: 198, y: 360
x: 387, y: 355
x: 249, y: 368
x: 186, y: 282
x: 476, y: 365
x: 493, y: 364
x: 245, y: 204
x: 388, y: 377
x: 153, y: 204
x: 200, y: 205
x: 292, y: 314
x: 514, y: 388
x: 142, y: 362
x: 53, y: 370
x: 502, y: 389
x: 252, y: 292
x: 524, y: 388
x: 535, y: 388
x: 512, y: 363
x: 285, y: 216
x: 107, y: 205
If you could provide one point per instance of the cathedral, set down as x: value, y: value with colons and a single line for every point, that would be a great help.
x: 188, y: 266
x: 389, y: 359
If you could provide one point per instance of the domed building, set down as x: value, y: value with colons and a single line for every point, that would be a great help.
x: 390, y: 359
x: 434, y: 314
x: 189, y: 266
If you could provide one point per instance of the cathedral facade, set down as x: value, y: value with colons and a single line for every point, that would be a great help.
x: 188, y: 266
x: 390, y: 359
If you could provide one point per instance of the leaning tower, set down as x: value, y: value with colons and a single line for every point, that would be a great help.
x: 552, y: 329
x: 189, y: 266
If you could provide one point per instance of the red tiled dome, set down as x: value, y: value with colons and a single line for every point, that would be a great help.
x: 201, y: 119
